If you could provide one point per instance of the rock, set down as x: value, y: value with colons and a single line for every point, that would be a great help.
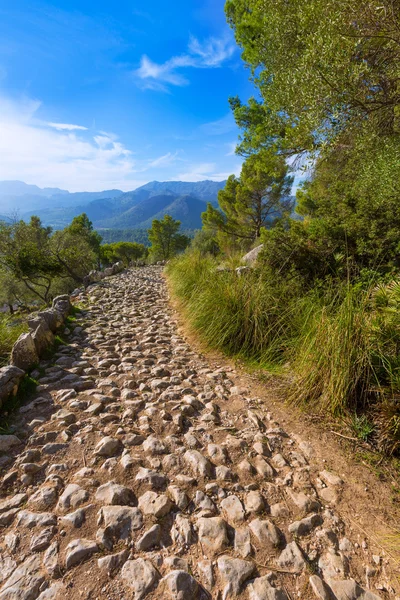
x: 306, y: 525
x: 74, y: 519
x: 198, y: 464
x: 112, y: 493
x: 205, y: 569
x: 330, y: 478
x: 179, y: 497
x: 113, y: 562
x: 24, y: 354
x: 119, y: 522
x: 7, y: 566
x: 108, y: 446
x: 139, y: 576
x: 348, y: 590
x: 54, y: 592
x: 320, y: 589
x: 42, y: 336
x: 251, y: 257
x: 213, y: 535
x: 234, y: 572
x: 303, y: 502
x: 157, y: 505
x: 261, y: 589
x: 78, y: 551
x: 154, y: 446
x: 72, y: 497
x: 181, y: 532
x: 10, y: 378
x: 266, y: 533
x: 333, y: 565
x: 50, y: 560
x: 233, y: 509
x: 28, y: 519
x: 152, y: 478
x: 149, y: 539
x: 8, y: 441
x: 179, y: 585
x: 13, y: 502
x: 263, y: 468
x: 25, y: 582
x: 243, y: 542
x: 254, y: 502
x: 42, y: 540
x: 44, y: 498
x: 292, y: 558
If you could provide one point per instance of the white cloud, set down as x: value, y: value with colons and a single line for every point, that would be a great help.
x: 66, y: 127
x: 202, y: 171
x: 71, y: 159
x: 164, y: 161
x: 211, y: 53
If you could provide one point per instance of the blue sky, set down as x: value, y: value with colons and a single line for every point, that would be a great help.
x: 97, y: 95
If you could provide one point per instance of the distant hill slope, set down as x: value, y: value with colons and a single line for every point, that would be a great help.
x: 112, y: 209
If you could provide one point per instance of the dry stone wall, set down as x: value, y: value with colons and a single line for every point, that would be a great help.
x: 31, y: 346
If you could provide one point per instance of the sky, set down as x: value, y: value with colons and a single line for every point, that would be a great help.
x: 102, y: 95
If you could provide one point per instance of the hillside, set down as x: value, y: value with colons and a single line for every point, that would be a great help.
x: 112, y: 209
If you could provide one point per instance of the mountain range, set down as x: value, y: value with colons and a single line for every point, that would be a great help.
x: 111, y: 209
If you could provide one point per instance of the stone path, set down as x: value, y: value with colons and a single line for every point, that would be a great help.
x: 144, y: 473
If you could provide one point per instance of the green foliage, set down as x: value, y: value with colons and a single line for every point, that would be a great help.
x: 205, y: 242
x: 10, y: 330
x: 122, y: 251
x: 166, y: 241
x: 110, y: 236
x: 321, y: 67
x: 36, y: 263
x: 255, y: 200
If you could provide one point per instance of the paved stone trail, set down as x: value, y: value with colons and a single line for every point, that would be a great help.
x: 144, y: 473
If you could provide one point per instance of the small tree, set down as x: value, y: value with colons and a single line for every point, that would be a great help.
x: 165, y: 240
x: 254, y: 200
x: 122, y: 251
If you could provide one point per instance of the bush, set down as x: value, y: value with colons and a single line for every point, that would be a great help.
x: 10, y: 330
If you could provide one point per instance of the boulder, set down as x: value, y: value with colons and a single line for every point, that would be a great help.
x: 251, y: 257
x: 24, y: 354
x: 10, y: 378
x: 53, y: 318
x: 42, y: 335
x: 62, y: 304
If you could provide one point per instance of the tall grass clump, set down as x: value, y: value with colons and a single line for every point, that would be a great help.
x: 10, y: 330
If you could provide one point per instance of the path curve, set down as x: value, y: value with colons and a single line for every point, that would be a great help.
x: 141, y: 472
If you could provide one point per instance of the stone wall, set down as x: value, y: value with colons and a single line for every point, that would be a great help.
x: 30, y: 346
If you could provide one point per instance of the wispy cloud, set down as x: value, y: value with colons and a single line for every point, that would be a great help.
x: 220, y: 127
x: 66, y: 126
x: 209, y: 54
x: 74, y: 159
x: 231, y: 149
x: 164, y: 161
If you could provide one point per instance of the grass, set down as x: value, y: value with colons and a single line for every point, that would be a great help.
x: 339, y: 346
x: 10, y: 330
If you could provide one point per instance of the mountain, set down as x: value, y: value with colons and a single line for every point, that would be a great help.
x: 112, y: 209
x: 19, y: 197
x: 205, y: 190
x: 19, y: 188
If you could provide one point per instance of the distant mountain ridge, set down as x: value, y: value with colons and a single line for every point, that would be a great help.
x: 112, y: 209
